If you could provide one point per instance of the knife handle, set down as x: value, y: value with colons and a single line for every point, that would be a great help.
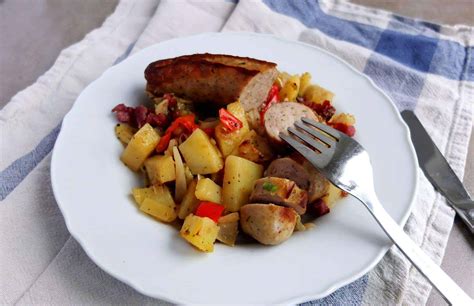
x: 467, y: 216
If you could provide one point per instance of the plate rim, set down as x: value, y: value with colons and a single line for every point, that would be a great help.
x: 296, y: 299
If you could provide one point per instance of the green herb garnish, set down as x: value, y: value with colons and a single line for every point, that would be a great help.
x: 270, y: 187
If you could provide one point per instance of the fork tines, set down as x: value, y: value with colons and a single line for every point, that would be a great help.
x: 317, y: 135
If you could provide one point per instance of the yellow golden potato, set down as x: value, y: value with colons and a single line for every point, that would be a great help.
x: 239, y: 178
x: 140, y: 147
x: 201, y: 156
x: 207, y: 190
x: 317, y: 94
x: 201, y: 232
x: 305, y: 81
x: 124, y: 132
x: 289, y: 91
x: 160, y: 169
x: 157, y: 202
x: 227, y: 141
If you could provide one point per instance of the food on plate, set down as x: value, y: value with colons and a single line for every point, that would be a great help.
x: 209, y: 149
x: 281, y: 116
x: 228, y: 228
x: 157, y: 202
x: 217, y: 78
x: 201, y: 232
x: 200, y: 154
x: 140, y: 146
x: 268, y: 223
x: 279, y: 191
x: 240, y: 175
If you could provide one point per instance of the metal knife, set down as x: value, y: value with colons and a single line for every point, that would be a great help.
x: 438, y: 171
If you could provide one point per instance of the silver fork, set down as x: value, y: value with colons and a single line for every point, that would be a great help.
x: 346, y: 164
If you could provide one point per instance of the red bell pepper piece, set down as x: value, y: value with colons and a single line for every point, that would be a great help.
x: 210, y: 209
x: 272, y: 98
x: 209, y: 131
x: 186, y: 123
x: 349, y: 130
x: 229, y: 121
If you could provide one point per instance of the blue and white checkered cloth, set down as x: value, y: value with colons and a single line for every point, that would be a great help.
x: 422, y: 66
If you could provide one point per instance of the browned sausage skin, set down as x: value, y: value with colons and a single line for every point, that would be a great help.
x: 319, y: 184
x: 267, y: 223
x: 289, y: 169
x: 280, y: 191
x: 302, y: 173
x: 216, y: 78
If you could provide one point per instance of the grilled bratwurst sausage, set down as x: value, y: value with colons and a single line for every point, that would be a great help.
x: 220, y: 79
x: 280, y: 116
x: 280, y: 191
x: 304, y: 175
x: 319, y: 184
x: 289, y: 169
x: 268, y: 223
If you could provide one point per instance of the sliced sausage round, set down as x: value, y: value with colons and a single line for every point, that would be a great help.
x: 318, y: 183
x: 289, y: 169
x: 280, y: 116
x: 268, y: 223
x: 280, y: 191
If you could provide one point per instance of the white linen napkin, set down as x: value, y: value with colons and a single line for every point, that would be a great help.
x: 42, y: 264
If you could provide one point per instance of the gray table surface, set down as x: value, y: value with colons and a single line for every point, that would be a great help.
x: 28, y: 49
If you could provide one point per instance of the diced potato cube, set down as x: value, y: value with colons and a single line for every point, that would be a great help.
x: 201, y: 156
x: 332, y: 196
x: 239, y: 178
x: 282, y: 78
x: 140, y: 147
x: 201, y: 232
x: 228, y: 141
x: 207, y: 190
x: 343, y: 118
x: 124, y: 132
x: 289, y: 91
x: 139, y: 194
x: 157, y: 202
x: 305, y: 81
x: 254, y: 148
x: 189, y: 202
x: 160, y: 169
x: 317, y: 94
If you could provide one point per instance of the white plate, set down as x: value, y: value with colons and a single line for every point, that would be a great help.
x: 92, y: 188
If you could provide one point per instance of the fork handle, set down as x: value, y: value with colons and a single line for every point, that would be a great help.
x: 451, y: 292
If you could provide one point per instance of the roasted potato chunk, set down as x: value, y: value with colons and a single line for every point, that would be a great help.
x: 124, y: 132
x: 290, y: 89
x: 157, y: 202
x: 239, y: 178
x: 201, y: 156
x: 254, y: 148
x: 317, y: 94
x: 207, y: 190
x: 228, y: 141
x: 140, y: 147
x: 201, y: 232
x: 160, y: 169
